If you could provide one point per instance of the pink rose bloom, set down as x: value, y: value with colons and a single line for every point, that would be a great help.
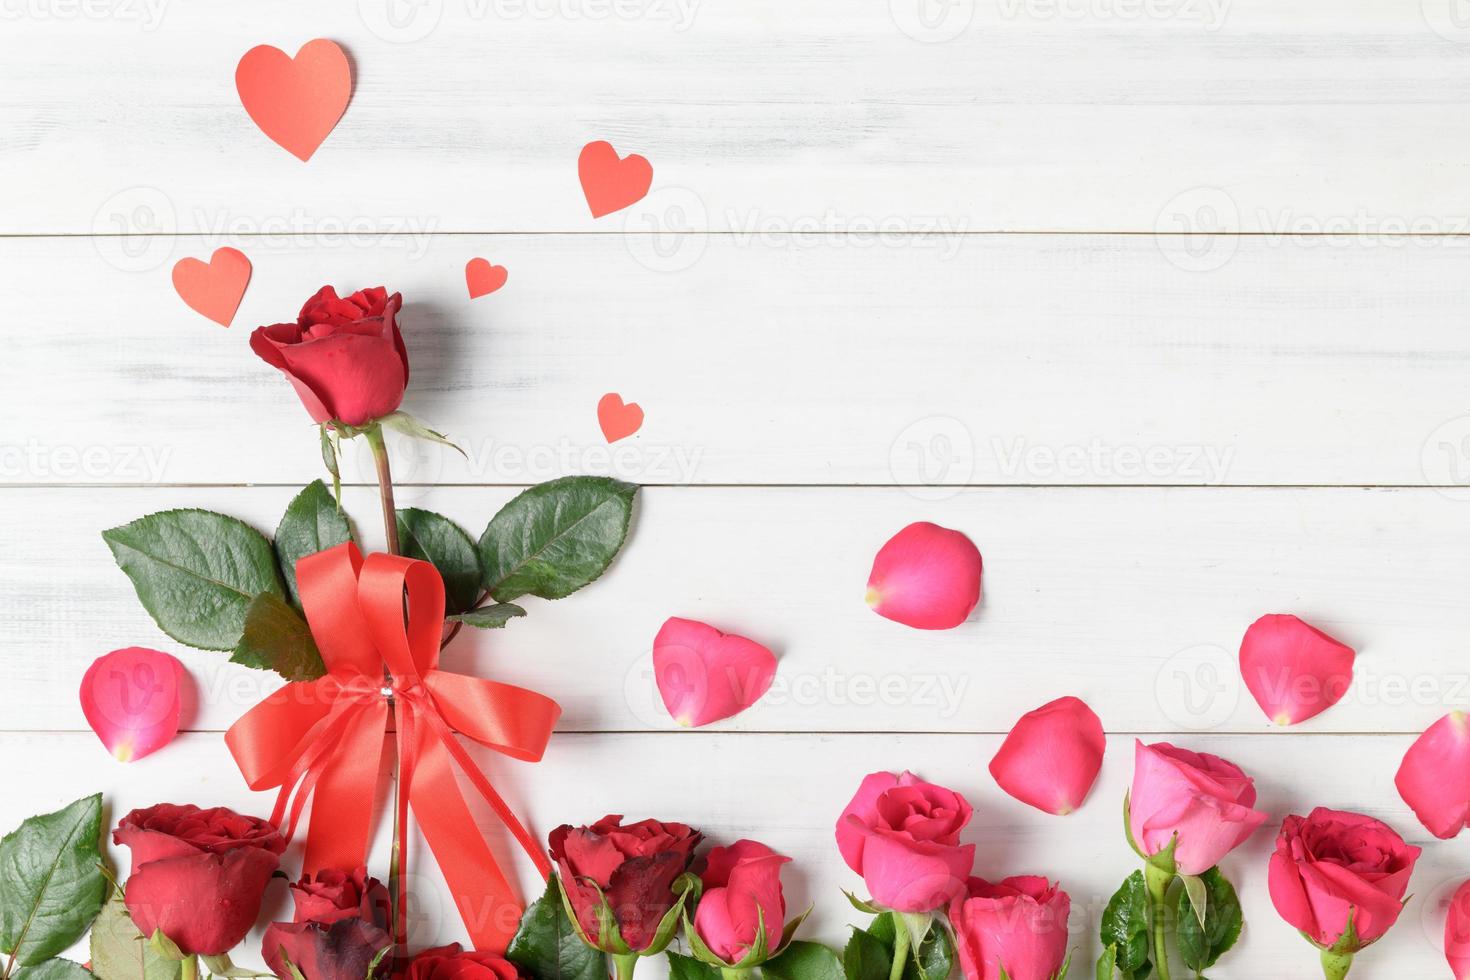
x: 903, y: 836
x: 1019, y: 926
x: 1202, y: 798
x: 742, y: 890
x: 1330, y: 864
x: 1457, y: 933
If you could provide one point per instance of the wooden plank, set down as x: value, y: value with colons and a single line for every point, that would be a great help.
x: 1133, y: 599
x: 1076, y: 115
x: 788, y: 790
x: 995, y: 360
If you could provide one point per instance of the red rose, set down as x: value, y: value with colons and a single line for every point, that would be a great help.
x: 341, y: 925
x: 452, y: 963
x: 197, y: 875
x: 345, y: 357
x: 635, y: 868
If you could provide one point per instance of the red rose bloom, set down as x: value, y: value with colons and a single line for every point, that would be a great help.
x: 344, y: 357
x: 197, y: 875
x: 341, y: 925
x: 452, y: 963
x: 634, y: 866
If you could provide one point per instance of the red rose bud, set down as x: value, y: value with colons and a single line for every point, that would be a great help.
x: 331, y: 896
x: 344, y: 357
x: 634, y: 867
x: 453, y: 963
x: 742, y: 909
x: 704, y: 675
x: 1202, y: 800
x: 197, y: 875
x: 903, y: 836
x: 1331, y: 866
x: 1434, y: 778
x: 1052, y: 756
x: 343, y: 950
x: 1018, y: 926
x: 1294, y: 671
x: 1457, y: 933
x: 927, y: 577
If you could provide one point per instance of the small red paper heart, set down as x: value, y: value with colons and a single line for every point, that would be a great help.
x: 215, y: 288
x: 609, y: 183
x: 483, y: 278
x: 295, y: 101
x: 618, y: 421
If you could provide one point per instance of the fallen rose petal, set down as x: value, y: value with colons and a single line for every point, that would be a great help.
x: 1434, y: 778
x: 1457, y: 933
x: 1293, y: 670
x: 704, y: 675
x: 927, y: 577
x: 1052, y: 756
x: 131, y: 699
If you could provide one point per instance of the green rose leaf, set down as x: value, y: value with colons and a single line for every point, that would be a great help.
x: 277, y: 638
x: 119, y: 951
x: 1107, y: 963
x: 313, y: 522
x: 1200, y: 946
x: 196, y: 572
x: 802, y: 960
x: 866, y: 957
x: 547, y: 946
x: 683, y: 967
x: 555, y: 538
x: 1125, y: 928
x: 54, y: 970
x: 442, y: 543
x: 491, y: 617
x: 51, y: 882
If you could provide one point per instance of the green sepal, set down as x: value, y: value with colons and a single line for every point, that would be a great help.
x: 222, y: 966
x: 863, y: 905
x: 331, y: 452
x: 1201, y: 944
x: 1107, y: 963
x: 1066, y: 967
x: 685, y: 885
x: 1163, y: 862
x: 1199, y: 899
x: 1128, y: 826
x: 166, y: 947
x: 405, y: 424
x: 754, y: 956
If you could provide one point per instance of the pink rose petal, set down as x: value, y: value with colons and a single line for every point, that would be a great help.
x: 927, y: 577
x: 131, y: 699
x: 1294, y: 670
x: 1434, y: 778
x: 1457, y: 933
x: 704, y: 675
x: 1052, y: 756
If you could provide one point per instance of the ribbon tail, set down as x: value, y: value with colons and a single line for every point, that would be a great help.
x: 341, y: 800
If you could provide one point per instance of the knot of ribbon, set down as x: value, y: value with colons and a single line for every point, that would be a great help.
x: 378, y: 623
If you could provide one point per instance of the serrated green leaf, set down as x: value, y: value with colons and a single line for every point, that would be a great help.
x: 196, y: 572
x: 804, y: 961
x: 1125, y: 927
x: 1200, y: 945
x: 54, y: 969
x: 555, y: 538
x: 491, y: 617
x: 51, y: 882
x: 120, y: 952
x: 277, y: 638
x: 442, y: 543
x: 683, y: 967
x: 866, y: 957
x: 547, y: 946
x: 313, y: 522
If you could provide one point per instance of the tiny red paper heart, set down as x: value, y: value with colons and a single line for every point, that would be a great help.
x: 483, y: 278
x: 295, y: 101
x: 214, y: 288
x: 611, y: 183
x: 618, y: 421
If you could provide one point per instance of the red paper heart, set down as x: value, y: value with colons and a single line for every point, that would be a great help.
x: 618, y: 421
x: 295, y: 101
x: 483, y: 278
x: 609, y: 183
x: 214, y: 288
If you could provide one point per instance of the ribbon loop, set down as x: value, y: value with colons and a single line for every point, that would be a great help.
x: 324, y: 739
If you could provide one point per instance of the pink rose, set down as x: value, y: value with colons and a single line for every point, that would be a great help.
x: 1203, y: 799
x: 1331, y: 864
x: 1019, y: 926
x: 1457, y: 933
x: 903, y: 836
x: 742, y: 890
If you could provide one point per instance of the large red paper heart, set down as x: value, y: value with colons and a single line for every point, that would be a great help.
x: 295, y: 101
x: 609, y: 183
x: 618, y: 421
x: 214, y: 288
x: 482, y: 278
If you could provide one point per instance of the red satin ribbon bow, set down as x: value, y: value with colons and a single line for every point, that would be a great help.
x: 324, y: 738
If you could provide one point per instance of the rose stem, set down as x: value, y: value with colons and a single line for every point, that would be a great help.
x: 1335, y: 966
x: 736, y: 973
x: 189, y: 968
x: 900, y: 947
x: 1157, y: 881
x: 374, y: 435
x: 624, y: 964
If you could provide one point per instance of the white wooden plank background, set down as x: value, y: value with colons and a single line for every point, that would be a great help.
x: 845, y: 306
